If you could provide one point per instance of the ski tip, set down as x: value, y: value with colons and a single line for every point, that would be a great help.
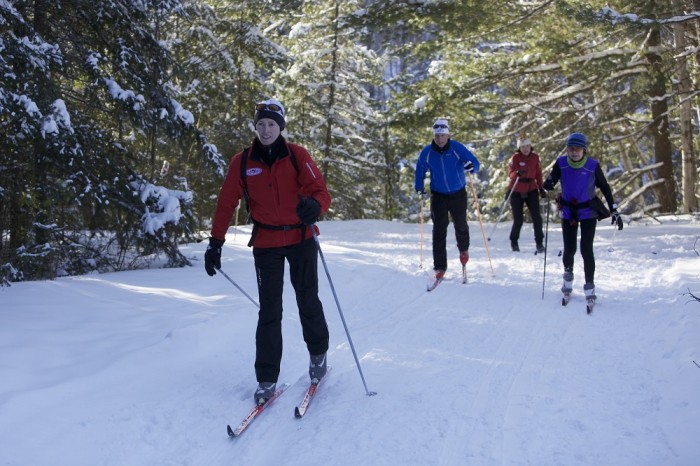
x: 230, y: 432
x: 297, y: 414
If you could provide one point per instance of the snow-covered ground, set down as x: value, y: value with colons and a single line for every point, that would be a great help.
x: 148, y: 367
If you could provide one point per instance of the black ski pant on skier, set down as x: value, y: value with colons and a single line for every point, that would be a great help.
x: 454, y: 204
x: 303, y: 272
x: 569, y: 232
x: 517, y: 203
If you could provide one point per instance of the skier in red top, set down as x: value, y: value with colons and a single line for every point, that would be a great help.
x: 286, y: 195
x: 526, y: 168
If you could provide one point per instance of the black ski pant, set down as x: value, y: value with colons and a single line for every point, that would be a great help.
x: 569, y: 233
x: 455, y: 205
x: 517, y: 203
x: 303, y: 273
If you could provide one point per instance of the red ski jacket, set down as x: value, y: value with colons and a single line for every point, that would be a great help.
x: 531, y: 179
x: 273, y: 196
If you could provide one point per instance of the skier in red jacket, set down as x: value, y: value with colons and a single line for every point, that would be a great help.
x: 525, y: 167
x: 286, y: 195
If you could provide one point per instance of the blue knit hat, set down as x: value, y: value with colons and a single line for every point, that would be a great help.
x: 577, y: 140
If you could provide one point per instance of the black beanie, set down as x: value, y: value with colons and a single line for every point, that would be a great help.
x: 278, y: 117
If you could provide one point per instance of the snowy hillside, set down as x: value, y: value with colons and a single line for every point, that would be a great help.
x: 148, y: 367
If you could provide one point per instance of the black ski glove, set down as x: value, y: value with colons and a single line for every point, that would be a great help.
x: 543, y: 194
x: 212, y: 256
x: 468, y: 166
x: 308, y: 210
x: 616, y: 219
x: 520, y: 172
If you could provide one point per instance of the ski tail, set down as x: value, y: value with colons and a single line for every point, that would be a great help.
x: 301, y: 409
x: 565, y: 298
x: 254, y: 413
x: 436, y: 282
x: 590, y: 304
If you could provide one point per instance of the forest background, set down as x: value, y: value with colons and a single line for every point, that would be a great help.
x: 118, y: 118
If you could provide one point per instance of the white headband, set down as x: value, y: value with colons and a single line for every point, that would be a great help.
x: 441, y: 126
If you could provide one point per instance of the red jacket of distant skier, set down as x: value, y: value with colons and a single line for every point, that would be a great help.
x: 531, y: 178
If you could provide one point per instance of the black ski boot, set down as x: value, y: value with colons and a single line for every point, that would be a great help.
x: 317, y: 367
x: 264, y: 392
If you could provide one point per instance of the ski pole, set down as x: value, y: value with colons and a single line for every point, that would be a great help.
x: 478, y: 211
x: 546, y: 236
x: 503, y: 207
x: 612, y: 242
x: 239, y: 288
x: 235, y: 227
x: 422, y: 202
x: 337, y: 303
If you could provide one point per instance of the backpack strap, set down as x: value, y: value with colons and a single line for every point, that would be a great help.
x: 244, y: 165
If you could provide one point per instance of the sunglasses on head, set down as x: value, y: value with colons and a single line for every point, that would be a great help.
x: 440, y: 127
x: 272, y: 107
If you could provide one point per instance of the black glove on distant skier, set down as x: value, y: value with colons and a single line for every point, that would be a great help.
x: 520, y: 172
x: 308, y: 210
x: 616, y: 219
x: 212, y: 256
x: 543, y: 194
x: 468, y: 166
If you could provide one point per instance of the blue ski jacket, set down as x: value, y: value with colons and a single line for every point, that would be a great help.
x: 446, y: 167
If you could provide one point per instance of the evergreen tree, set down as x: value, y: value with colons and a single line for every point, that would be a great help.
x: 327, y: 93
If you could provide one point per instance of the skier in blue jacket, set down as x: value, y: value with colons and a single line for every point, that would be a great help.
x: 447, y: 161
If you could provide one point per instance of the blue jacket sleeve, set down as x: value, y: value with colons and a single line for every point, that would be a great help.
x: 421, y: 170
x: 465, y: 155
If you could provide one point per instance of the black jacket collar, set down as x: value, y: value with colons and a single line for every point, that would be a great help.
x: 441, y: 150
x: 269, y: 154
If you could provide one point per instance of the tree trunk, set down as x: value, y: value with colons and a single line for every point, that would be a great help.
x: 666, y: 191
x: 685, y: 85
x: 332, y: 79
x: 40, y: 182
x: 696, y: 44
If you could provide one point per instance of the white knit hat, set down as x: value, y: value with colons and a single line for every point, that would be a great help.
x: 441, y: 126
x: 523, y: 141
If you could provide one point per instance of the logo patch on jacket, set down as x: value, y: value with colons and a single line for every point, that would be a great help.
x: 253, y: 171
